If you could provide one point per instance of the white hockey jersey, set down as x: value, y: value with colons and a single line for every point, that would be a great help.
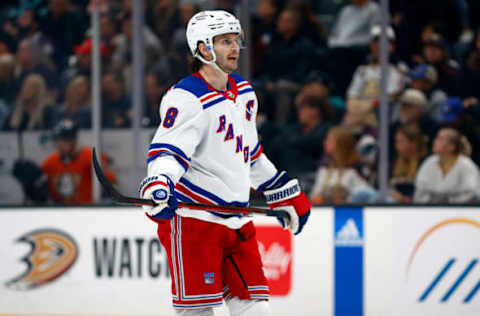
x: 207, y: 143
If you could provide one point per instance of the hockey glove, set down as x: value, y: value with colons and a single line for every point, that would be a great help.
x: 160, y: 189
x: 289, y: 197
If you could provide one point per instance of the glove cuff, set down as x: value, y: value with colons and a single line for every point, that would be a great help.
x: 288, y: 191
x: 148, y: 184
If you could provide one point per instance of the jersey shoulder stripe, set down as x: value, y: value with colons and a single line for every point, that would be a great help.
x: 237, y: 78
x: 243, y: 85
x: 194, y: 85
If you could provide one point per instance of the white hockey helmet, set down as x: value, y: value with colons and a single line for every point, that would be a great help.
x: 205, y: 25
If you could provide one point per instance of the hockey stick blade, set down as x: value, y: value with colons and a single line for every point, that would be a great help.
x: 121, y: 199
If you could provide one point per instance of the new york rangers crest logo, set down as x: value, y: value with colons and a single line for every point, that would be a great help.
x: 160, y: 194
x: 208, y: 277
x: 249, y: 110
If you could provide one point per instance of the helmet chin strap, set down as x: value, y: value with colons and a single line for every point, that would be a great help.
x: 212, y: 62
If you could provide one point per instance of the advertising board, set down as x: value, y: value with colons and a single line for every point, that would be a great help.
x: 109, y: 261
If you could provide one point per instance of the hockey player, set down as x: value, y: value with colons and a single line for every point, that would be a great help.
x: 69, y: 169
x: 206, y: 150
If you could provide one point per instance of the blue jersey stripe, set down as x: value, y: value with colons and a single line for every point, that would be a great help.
x: 262, y: 187
x: 245, y: 91
x: 183, y: 198
x: 209, y: 104
x: 210, y: 195
x: 178, y: 159
x: 279, y: 179
x: 170, y: 147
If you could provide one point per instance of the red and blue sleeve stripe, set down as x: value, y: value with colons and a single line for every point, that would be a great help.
x: 161, y: 149
x: 279, y: 179
x: 255, y: 154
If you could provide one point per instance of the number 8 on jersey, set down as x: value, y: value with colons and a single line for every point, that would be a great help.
x: 170, y: 117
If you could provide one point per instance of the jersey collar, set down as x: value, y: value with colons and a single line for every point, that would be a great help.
x: 232, y: 91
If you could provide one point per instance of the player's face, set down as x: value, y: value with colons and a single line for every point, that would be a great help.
x: 66, y: 147
x: 227, y: 50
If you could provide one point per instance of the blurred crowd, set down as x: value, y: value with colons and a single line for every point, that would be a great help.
x: 316, y: 70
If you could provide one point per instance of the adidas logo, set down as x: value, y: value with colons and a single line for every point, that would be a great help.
x: 348, y: 235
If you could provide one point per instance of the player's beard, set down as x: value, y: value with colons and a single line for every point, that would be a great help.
x: 227, y: 65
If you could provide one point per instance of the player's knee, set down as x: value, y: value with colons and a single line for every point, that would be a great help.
x: 194, y: 312
x: 250, y: 308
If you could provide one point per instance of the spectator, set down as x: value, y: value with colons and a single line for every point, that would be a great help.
x: 361, y: 121
x: 8, y: 84
x: 311, y: 26
x: 263, y: 30
x: 449, y: 175
x: 116, y: 102
x: 437, y: 54
x: 81, y: 65
x: 69, y: 170
x: 411, y: 149
x: 360, y: 118
x: 328, y: 10
x: 413, y: 110
x: 425, y: 78
x: 469, y: 124
x: 28, y: 61
x: 366, y: 79
x: 313, y: 90
x: 348, y: 40
x: 155, y: 87
x: 353, y: 24
x: 470, y: 74
x: 29, y: 29
x: 298, y: 147
x: 293, y: 52
x: 178, y: 50
x: 33, y: 109
x: 339, y: 177
x: 77, y: 103
x: 108, y: 31
x: 317, y: 87
x: 154, y: 49
x: 63, y: 25
x: 447, y: 17
x: 163, y: 19
x: 8, y: 37
x: 464, y: 116
x: 8, y: 88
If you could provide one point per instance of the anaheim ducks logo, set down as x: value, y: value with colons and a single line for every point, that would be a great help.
x: 53, y: 252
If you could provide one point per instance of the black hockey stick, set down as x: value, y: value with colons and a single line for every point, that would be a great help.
x: 121, y: 199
